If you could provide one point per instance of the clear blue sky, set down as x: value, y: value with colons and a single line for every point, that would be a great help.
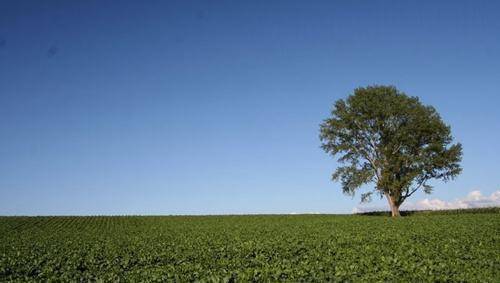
x: 202, y: 107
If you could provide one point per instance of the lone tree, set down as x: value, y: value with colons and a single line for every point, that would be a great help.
x: 383, y: 136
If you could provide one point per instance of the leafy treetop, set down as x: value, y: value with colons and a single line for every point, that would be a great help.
x: 381, y: 135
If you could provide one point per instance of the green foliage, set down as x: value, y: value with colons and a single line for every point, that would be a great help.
x: 313, y: 248
x: 391, y: 139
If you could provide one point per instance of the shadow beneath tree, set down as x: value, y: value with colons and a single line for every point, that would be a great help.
x: 434, y: 212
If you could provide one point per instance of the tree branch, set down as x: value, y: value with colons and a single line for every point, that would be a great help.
x: 408, y: 193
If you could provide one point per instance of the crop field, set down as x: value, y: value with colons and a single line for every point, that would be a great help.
x: 454, y: 246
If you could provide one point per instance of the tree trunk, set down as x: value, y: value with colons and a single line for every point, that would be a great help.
x: 394, y: 206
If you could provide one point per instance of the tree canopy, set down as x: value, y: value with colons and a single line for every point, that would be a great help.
x: 383, y: 136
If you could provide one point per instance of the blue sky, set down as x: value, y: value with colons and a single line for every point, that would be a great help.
x: 213, y: 107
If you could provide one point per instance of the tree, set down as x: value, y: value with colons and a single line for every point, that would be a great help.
x: 385, y: 137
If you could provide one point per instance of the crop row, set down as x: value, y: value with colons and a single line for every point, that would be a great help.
x: 454, y: 247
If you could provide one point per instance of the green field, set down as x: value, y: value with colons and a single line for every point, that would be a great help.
x: 454, y: 246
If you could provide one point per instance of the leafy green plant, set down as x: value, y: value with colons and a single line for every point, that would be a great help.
x: 457, y: 246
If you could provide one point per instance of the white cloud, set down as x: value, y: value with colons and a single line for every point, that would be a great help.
x: 473, y: 200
